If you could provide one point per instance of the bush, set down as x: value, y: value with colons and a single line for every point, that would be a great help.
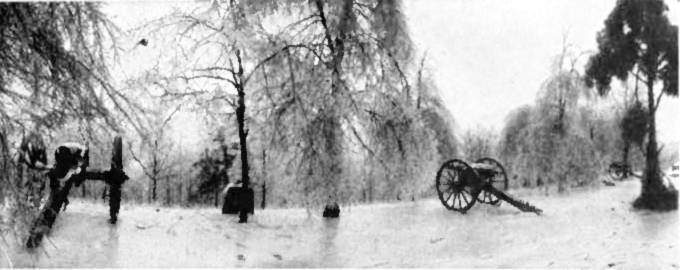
x: 538, y: 154
x: 478, y: 143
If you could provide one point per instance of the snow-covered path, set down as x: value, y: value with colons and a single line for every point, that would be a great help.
x: 592, y: 229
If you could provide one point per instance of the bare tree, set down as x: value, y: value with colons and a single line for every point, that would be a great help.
x: 478, y: 143
x: 310, y: 85
x: 159, y: 148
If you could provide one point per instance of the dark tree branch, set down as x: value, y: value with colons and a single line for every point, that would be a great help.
x: 324, y: 23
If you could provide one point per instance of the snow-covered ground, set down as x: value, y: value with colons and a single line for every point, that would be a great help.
x: 593, y: 229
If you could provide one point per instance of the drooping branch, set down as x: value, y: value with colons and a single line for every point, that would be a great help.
x: 272, y: 56
x: 366, y: 147
x: 324, y: 23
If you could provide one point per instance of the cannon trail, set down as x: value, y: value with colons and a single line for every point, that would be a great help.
x: 519, y: 204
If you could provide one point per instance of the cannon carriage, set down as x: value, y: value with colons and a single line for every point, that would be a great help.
x: 71, y: 169
x: 460, y: 185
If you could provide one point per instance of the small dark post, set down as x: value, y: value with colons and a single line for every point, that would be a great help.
x: 115, y: 178
x: 332, y: 209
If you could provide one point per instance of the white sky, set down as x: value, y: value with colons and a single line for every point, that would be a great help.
x: 488, y: 56
x: 491, y: 56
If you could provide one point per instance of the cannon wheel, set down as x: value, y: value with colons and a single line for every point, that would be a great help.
x: 499, y: 181
x: 616, y: 171
x: 453, y: 189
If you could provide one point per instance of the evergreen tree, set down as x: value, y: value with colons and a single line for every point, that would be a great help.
x: 639, y: 40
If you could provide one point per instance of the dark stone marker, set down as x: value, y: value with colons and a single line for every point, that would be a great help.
x: 238, y: 197
x: 331, y: 211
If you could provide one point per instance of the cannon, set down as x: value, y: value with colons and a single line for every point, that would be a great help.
x: 460, y: 185
x: 621, y: 170
x: 70, y: 168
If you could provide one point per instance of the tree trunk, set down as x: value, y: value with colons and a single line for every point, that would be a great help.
x: 333, y: 135
x: 264, y: 179
x: 179, y: 192
x: 561, y: 183
x: 264, y: 195
x: 332, y: 130
x: 167, y: 191
x: 153, y: 188
x: 155, y: 169
x: 242, y: 136
x: 626, y: 151
x: 217, y: 197
x: 654, y: 194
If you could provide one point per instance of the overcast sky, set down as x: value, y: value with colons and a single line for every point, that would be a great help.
x: 488, y: 56
x: 491, y: 56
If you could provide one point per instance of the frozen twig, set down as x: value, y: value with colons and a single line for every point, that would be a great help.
x: 9, y: 260
x: 52, y: 243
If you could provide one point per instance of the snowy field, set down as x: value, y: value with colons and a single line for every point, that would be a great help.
x: 585, y: 229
